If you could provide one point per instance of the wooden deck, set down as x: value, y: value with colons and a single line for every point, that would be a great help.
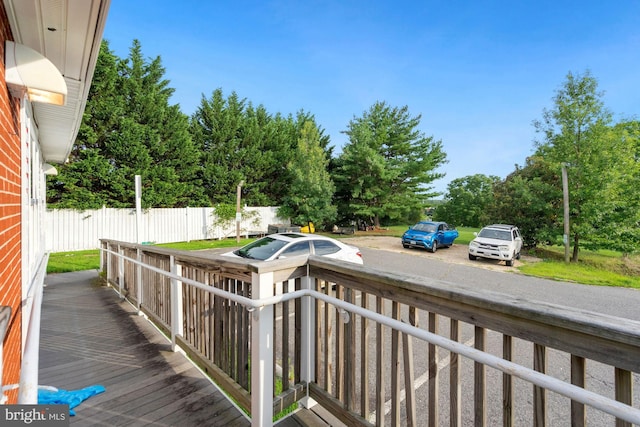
x: 89, y: 337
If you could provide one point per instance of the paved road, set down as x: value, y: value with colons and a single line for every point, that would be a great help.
x: 621, y: 302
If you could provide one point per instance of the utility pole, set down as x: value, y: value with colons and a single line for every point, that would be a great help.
x: 565, y: 197
x: 238, y: 211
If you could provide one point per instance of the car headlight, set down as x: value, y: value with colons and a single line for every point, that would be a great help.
x: 503, y: 248
x: 474, y: 244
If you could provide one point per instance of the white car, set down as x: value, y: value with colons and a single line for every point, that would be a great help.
x: 498, y: 241
x: 287, y: 245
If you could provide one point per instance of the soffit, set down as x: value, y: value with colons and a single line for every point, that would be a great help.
x: 68, y: 33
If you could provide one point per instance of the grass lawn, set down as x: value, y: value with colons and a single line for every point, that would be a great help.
x: 603, y: 268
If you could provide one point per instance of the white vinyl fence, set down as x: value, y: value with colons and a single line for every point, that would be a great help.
x: 69, y: 230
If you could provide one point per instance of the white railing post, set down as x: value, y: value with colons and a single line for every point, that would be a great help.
x: 103, y: 245
x: 107, y: 249
x: 176, y: 302
x: 308, y: 343
x: 120, y: 271
x: 262, y: 352
x: 139, y: 279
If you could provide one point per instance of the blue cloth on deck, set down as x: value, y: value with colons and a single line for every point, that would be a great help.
x: 68, y: 397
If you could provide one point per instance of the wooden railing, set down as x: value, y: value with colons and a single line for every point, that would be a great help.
x: 380, y: 349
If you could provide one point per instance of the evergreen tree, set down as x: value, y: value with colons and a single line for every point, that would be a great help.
x: 386, y: 168
x: 129, y: 129
x: 240, y: 142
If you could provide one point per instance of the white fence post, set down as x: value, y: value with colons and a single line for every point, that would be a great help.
x: 262, y: 352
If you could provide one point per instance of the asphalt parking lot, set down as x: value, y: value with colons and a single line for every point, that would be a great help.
x: 457, y: 254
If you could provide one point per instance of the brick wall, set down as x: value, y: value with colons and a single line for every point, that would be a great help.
x: 10, y: 220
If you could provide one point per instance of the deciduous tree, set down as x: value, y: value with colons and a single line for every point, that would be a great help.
x: 310, y: 193
x: 467, y: 201
x: 577, y: 131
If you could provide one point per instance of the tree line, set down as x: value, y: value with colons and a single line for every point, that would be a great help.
x: 383, y: 175
x: 602, y: 162
x: 130, y: 128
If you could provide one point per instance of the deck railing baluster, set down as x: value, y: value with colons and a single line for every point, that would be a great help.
x: 624, y: 391
x: 409, y: 377
x: 479, y: 388
x: 381, y: 366
x: 507, y: 384
x: 340, y: 349
x: 539, y: 393
x: 395, y: 367
x: 434, y: 390
x: 365, y: 335
x: 455, y: 388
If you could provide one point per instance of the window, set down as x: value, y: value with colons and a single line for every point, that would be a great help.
x: 323, y: 247
x: 297, y: 249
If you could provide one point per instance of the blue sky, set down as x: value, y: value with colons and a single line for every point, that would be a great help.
x: 477, y: 72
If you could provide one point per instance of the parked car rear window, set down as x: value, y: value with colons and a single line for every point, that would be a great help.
x: 323, y: 247
x: 297, y: 249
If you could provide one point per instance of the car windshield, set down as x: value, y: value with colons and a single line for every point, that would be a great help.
x: 261, y: 249
x: 495, y: 234
x: 429, y: 228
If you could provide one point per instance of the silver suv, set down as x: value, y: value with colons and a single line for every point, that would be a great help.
x: 498, y: 241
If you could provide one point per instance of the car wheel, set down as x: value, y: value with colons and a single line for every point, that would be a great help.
x: 518, y: 255
x: 405, y: 246
x: 509, y: 262
x: 472, y: 257
x: 434, y: 247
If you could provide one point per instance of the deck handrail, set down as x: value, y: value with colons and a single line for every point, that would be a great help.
x: 5, y: 317
x: 28, y: 389
x: 620, y: 410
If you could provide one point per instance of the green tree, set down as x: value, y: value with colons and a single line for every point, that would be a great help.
x: 225, y: 217
x: 577, y: 132
x: 129, y: 129
x: 309, y: 198
x: 241, y: 142
x: 467, y: 201
x: 618, y: 224
x: 530, y: 197
x: 386, y: 168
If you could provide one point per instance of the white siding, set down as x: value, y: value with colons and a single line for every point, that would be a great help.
x: 69, y: 230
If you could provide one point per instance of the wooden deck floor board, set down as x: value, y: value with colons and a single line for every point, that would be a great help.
x: 89, y: 336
